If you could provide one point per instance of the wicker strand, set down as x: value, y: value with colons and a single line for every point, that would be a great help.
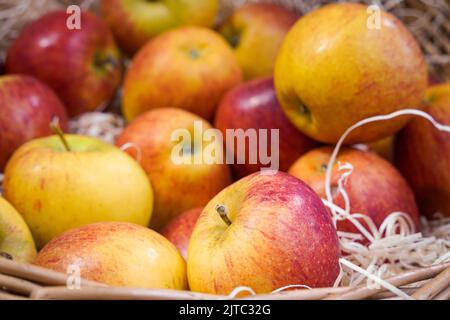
x: 38, y: 274
x: 444, y: 295
x: 16, y: 285
x: 434, y: 287
x: 114, y: 293
x: 364, y: 292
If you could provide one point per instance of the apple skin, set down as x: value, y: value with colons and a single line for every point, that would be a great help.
x: 384, y: 148
x: 177, y: 187
x: 256, y: 31
x: 16, y: 238
x: 280, y: 234
x: 179, y: 229
x: 56, y: 190
x: 333, y: 71
x: 254, y: 105
x: 82, y: 66
x: 189, y: 68
x: 134, y: 23
x: 27, y: 107
x: 422, y: 153
x: 118, y: 254
x: 374, y: 188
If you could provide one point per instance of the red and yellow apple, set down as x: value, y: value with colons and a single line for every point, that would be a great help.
x: 254, y: 105
x: 118, y: 254
x: 256, y: 32
x: 16, y: 241
x: 56, y: 189
x: 27, y: 107
x: 422, y: 153
x: 177, y: 186
x: 374, y: 188
x: 337, y: 66
x: 136, y: 22
x: 82, y: 65
x: 179, y: 229
x: 189, y: 68
x: 264, y: 232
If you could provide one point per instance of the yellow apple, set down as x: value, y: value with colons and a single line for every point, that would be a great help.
x: 117, y: 253
x: 256, y: 32
x: 16, y: 241
x: 56, y: 190
x: 339, y: 65
x: 383, y: 147
x: 134, y: 22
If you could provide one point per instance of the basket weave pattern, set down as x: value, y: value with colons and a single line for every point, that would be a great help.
x: 22, y: 281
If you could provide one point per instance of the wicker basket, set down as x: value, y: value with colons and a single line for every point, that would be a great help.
x: 429, y: 20
x: 23, y: 281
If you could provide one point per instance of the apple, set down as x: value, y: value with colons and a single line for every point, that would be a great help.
x: 118, y: 254
x: 16, y: 241
x: 374, y: 188
x: 337, y: 66
x: 254, y: 105
x: 177, y: 187
x: 256, y: 32
x: 81, y: 65
x: 179, y: 229
x: 383, y: 147
x: 136, y: 22
x: 422, y: 153
x: 61, y: 182
x: 27, y: 107
x: 189, y: 68
x: 264, y: 232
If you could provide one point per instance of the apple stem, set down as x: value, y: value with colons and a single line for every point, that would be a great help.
x: 6, y: 255
x: 55, y: 127
x: 222, y: 211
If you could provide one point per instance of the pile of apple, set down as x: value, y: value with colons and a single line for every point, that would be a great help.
x: 133, y: 218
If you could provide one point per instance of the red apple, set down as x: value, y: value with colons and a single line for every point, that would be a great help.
x: 180, y: 228
x: 177, y: 186
x: 256, y: 32
x: 374, y: 188
x: 118, y: 254
x: 422, y: 153
x: 189, y: 68
x: 27, y: 107
x: 254, y: 105
x: 264, y: 232
x: 81, y: 65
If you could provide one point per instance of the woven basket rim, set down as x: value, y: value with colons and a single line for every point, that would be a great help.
x: 28, y: 281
